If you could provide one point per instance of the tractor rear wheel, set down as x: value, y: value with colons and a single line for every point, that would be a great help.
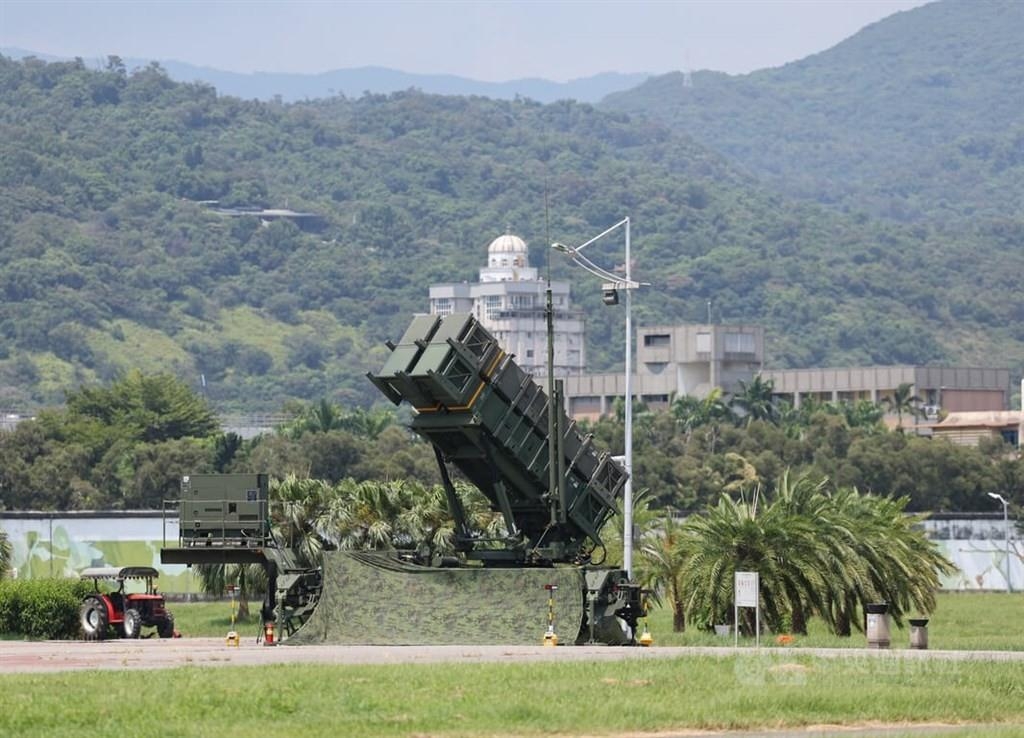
x: 132, y: 623
x: 93, y: 617
x: 165, y: 628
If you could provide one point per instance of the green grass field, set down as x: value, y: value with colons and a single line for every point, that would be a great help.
x: 985, y: 621
x: 771, y: 690
x: 982, y: 621
x: 768, y: 689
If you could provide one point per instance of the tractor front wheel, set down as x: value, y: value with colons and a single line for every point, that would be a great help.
x: 93, y: 617
x: 132, y: 623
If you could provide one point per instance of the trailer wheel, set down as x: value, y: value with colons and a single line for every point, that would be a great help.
x: 132, y: 623
x: 93, y: 617
x: 165, y: 629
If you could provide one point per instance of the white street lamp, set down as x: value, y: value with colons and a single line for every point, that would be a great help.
x: 1006, y: 532
x: 612, y: 283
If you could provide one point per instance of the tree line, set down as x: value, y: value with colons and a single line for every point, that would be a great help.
x: 126, y: 444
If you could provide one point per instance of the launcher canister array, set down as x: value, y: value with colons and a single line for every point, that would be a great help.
x: 487, y: 417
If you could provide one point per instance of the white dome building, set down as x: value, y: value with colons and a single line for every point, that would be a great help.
x: 509, y: 301
x: 508, y: 261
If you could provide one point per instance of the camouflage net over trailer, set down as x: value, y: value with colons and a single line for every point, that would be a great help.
x: 372, y: 598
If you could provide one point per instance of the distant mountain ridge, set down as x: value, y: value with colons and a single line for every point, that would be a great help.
x: 918, y: 117
x: 380, y: 80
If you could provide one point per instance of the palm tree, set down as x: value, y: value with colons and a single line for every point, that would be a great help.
x: 755, y: 401
x: 753, y: 535
x: 863, y: 414
x: 368, y: 423
x: 817, y: 553
x: 900, y: 566
x: 691, y: 413
x: 300, y: 516
x: 660, y: 567
x: 903, y: 400
x: 323, y: 417
x: 250, y: 580
x: 376, y: 515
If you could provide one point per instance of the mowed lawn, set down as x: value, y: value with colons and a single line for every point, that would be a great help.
x: 767, y: 689
x: 976, y: 621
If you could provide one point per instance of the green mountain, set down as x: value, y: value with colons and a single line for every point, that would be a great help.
x: 111, y: 256
x: 290, y: 87
x: 918, y: 117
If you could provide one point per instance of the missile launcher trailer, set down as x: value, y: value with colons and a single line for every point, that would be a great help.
x: 488, y: 419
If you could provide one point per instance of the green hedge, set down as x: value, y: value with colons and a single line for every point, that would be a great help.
x: 41, y: 608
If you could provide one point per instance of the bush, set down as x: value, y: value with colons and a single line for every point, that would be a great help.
x: 42, y: 608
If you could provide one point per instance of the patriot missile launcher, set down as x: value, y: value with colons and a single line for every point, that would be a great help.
x: 488, y: 419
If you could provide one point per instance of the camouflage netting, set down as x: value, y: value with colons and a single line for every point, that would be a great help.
x: 375, y: 599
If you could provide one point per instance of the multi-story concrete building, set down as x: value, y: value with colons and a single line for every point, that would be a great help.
x: 690, y: 359
x: 509, y: 300
x: 953, y: 389
x: 693, y: 359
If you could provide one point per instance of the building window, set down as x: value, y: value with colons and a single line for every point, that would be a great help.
x: 657, y: 339
x: 442, y: 306
x: 529, y: 353
x: 739, y: 343
x: 703, y: 343
x: 522, y: 301
x: 492, y: 306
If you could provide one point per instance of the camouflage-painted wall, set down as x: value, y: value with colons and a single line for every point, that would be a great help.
x: 63, y: 544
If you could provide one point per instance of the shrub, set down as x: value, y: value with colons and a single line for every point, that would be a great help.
x: 42, y: 608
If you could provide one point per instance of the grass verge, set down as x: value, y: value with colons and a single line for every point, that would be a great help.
x: 979, y: 621
x: 974, y: 621
x: 760, y: 691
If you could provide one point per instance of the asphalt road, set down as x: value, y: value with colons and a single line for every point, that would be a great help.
x: 49, y: 656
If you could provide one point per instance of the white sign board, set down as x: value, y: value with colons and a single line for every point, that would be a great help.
x: 746, y: 589
x: 747, y: 586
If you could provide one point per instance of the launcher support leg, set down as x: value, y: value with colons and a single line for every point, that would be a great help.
x: 462, y: 532
x: 500, y: 495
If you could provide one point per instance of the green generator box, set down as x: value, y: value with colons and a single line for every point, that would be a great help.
x: 225, y: 509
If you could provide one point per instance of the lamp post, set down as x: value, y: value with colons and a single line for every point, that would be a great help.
x: 1006, y: 533
x: 612, y: 283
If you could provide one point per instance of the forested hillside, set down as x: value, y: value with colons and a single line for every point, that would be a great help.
x: 109, y: 259
x: 290, y: 87
x: 919, y: 117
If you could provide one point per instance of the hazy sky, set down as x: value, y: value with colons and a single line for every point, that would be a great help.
x: 494, y: 41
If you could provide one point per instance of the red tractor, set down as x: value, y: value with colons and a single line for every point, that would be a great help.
x: 127, y: 612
